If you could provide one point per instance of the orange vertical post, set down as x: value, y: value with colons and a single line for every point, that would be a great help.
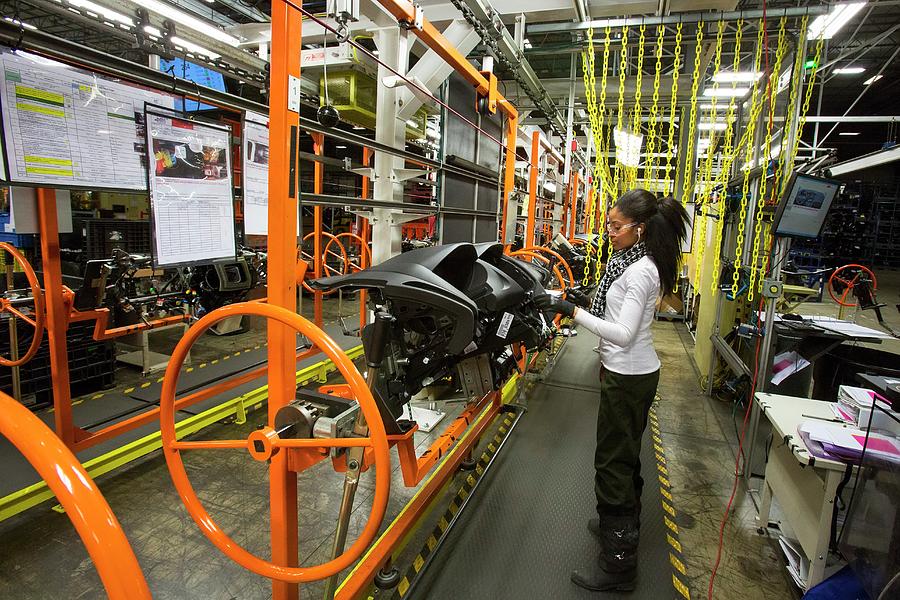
x: 57, y: 316
x: 532, y: 189
x: 318, y: 260
x: 573, y: 199
x: 364, y: 234
x: 284, y: 194
x: 587, y: 210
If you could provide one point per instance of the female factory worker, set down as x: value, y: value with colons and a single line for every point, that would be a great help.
x: 646, y: 235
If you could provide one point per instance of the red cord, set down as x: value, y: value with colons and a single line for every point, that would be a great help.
x: 740, y: 452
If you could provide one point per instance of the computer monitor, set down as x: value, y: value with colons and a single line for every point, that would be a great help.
x: 804, y: 206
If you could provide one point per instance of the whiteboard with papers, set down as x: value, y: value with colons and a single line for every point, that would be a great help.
x: 67, y: 127
x: 256, y: 174
x: 191, y: 203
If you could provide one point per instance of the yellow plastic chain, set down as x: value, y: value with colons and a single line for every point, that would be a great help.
x: 756, y: 106
x: 601, y: 142
x: 761, y: 195
x: 692, y: 120
x: 636, y: 112
x: 673, y: 107
x: 796, y: 83
x: 809, y: 89
x: 623, y: 62
x: 704, y: 183
x: 587, y: 67
x: 653, y: 127
x: 728, y: 152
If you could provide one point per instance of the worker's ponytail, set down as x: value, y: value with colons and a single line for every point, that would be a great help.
x: 666, y: 228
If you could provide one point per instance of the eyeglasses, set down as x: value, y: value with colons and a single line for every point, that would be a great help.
x: 614, y: 228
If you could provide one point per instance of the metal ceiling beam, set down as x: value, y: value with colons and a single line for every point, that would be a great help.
x: 248, y: 11
x: 487, y: 22
x: 713, y: 17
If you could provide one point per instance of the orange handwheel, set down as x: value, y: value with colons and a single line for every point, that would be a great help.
x: 327, y: 270
x: 530, y: 254
x: 79, y: 496
x: 558, y: 257
x: 849, y: 277
x: 37, y: 322
x: 263, y: 443
x: 364, y: 257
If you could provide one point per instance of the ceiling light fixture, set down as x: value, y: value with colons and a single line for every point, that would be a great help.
x: 739, y: 92
x: 849, y: 70
x: 192, y: 47
x: 827, y: 26
x: 20, y: 23
x: 170, y: 12
x: 103, y: 11
x: 628, y: 147
x: 711, y: 126
x: 872, y: 80
x: 849, y: 133
x: 737, y: 76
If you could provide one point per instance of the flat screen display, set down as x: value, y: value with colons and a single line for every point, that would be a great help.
x: 805, y: 205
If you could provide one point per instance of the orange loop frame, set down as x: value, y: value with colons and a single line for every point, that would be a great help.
x: 327, y: 271
x: 377, y: 442
x: 80, y: 497
x: 850, y: 284
x: 38, y: 321
x: 545, y: 260
x: 558, y: 257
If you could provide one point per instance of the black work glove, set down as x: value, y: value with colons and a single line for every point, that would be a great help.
x: 552, y: 303
x: 578, y: 297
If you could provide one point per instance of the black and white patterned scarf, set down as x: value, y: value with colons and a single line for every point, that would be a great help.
x: 617, y: 264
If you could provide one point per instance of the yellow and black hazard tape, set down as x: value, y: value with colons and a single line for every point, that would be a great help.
x: 456, y: 502
x: 676, y: 553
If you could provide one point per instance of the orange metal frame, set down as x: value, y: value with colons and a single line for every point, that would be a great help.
x: 80, y: 497
x: 537, y: 144
x: 282, y: 356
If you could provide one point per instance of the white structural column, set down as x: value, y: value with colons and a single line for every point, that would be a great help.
x: 432, y: 70
x: 393, y: 49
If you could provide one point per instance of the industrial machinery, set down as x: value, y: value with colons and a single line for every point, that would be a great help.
x: 453, y: 310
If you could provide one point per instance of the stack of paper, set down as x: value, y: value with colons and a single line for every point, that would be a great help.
x: 857, y: 405
x: 797, y: 563
x: 847, y: 442
x: 851, y: 399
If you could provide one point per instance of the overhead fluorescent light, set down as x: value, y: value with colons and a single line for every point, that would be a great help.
x: 717, y: 107
x: 711, y: 126
x: 582, y: 114
x: 848, y: 133
x: 737, y: 76
x: 872, y: 80
x: 192, y: 47
x: 849, y: 70
x: 527, y: 44
x: 205, y: 27
x: 20, y: 23
x: 550, y: 186
x: 102, y: 11
x: 341, y: 147
x: 739, y: 92
x: 827, y: 26
x: 628, y: 147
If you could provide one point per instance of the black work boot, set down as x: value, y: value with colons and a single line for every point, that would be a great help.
x: 616, y: 570
x: 594, y: 524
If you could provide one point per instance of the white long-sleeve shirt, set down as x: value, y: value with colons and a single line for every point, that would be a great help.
x: 626, y: 344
